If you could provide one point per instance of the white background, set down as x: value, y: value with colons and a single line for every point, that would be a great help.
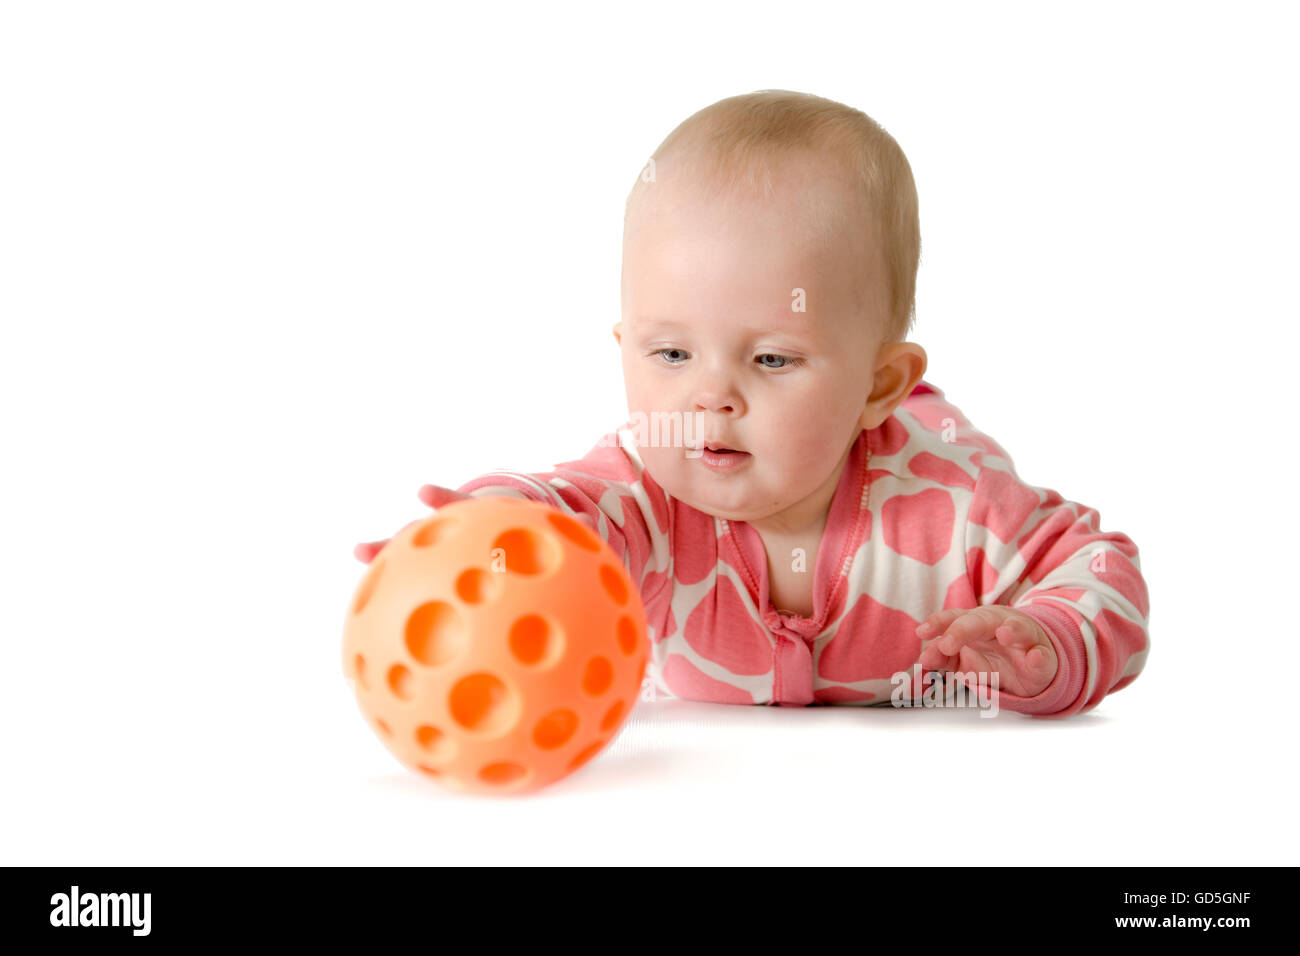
x: 266, y: 268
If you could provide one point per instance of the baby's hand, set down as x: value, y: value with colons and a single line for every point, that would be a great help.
x: 990, y: 638
x: 434, y: 496
x: 431, y: 495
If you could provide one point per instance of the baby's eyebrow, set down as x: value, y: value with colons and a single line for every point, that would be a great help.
x: 796, y: 329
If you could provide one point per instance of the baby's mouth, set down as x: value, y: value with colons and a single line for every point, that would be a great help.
x: 719, y: 448
x: 717, y: 454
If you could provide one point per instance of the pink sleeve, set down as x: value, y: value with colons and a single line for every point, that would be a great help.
x: 606, y: 485
x: 1030, y: 549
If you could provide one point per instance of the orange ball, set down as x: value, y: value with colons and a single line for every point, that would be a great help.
x: 497, y: 646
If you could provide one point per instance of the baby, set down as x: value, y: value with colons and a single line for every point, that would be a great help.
x: 769, y: 268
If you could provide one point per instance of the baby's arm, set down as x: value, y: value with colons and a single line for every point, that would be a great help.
x: 606, y: 490
x: 1030, y: 550
x: 435, y: 496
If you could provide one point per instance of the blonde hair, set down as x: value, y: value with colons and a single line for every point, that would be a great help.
x: 728, y: 142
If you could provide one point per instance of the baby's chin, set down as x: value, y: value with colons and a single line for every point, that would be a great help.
x: 730, y: 500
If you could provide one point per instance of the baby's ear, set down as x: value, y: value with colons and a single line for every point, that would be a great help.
x: 618, y: 335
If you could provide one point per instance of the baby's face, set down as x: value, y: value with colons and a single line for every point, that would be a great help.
x: 711, y: 333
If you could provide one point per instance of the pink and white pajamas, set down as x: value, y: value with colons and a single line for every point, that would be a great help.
x: 928, y: 514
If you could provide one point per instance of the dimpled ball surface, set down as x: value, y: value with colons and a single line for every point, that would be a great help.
x: 497, y: 646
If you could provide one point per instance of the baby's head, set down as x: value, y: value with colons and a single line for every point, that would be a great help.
x: 770, y: 250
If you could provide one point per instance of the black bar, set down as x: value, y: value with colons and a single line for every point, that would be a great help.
x: 1031, y: 906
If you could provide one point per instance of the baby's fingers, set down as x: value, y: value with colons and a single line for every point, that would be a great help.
x: 366, y: 551
x: 974, y: 625
x: 933, y: 659
x: 1016, y: 632
x: 435, y: 496
x: 1041, y: 658
x: 938, y: 622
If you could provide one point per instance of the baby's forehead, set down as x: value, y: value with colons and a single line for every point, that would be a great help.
x: 817, y: 221
x: 757, y: 238
x: 810, y: 233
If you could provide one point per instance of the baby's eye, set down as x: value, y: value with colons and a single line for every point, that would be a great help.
x: 786, y: 360
x: 662, y: 351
